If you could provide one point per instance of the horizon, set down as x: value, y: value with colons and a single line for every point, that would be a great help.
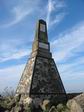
x: 65, y: 25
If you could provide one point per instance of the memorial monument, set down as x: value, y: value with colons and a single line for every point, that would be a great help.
x: 40, y: 78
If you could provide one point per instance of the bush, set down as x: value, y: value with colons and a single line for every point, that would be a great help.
x: 8, y: 92
x: 62, y: 108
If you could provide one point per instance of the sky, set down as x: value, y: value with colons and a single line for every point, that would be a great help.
x: 65, y: 24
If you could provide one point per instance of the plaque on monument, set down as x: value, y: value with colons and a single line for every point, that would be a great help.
x: 43, y: 45
x: 42, y: 27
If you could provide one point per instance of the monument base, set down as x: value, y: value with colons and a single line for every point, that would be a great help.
x: 37, y: 100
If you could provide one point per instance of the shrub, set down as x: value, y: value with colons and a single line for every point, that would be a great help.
x: 8, y: 92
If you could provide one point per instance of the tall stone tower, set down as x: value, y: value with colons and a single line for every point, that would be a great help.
x: 40, y: 78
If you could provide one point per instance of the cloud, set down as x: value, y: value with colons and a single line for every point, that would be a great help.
x: 9, y: 77
x: 15, y: 55
x: 13, y: 50
x: 73, y: 38
x: 54, y: 6
x: 58, y: 19
x: 20, y: 11
x: 19, y: 15
x: 73, y: 80
x: 50, y: 8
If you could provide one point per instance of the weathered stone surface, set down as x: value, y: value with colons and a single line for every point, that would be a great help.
x: 25, y: 81
x: 46, y: 78
x: 45, y: 104
x: 76, y: 104
x: 53, y: 109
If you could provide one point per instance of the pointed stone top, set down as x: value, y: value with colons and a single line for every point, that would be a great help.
x: 42, y: 21
x: 41, y: 37
x: 41, y: 31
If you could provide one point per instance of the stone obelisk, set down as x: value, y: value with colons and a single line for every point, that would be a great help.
x: 40, y: 78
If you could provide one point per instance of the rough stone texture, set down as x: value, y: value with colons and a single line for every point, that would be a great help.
x: 46, y: 82
x: 41, y: 79
x: 46, y: 78
x: 53, y: 109
x: 76, y: 104
x: 24, y: 84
